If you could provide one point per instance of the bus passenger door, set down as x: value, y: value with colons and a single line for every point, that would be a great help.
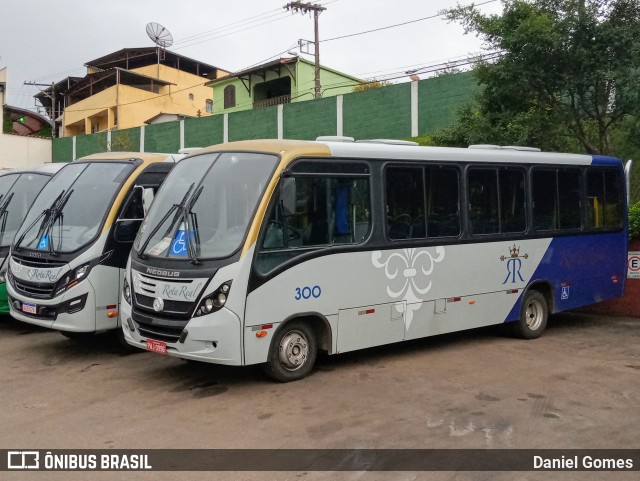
x: 362, y: 327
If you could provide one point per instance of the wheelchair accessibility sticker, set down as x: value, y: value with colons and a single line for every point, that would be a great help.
x: 179, y: 244
x: 44, y: 243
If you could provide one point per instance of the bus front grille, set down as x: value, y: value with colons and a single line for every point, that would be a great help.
x: 174, y: 308
x: 30, y: 289
x: 34, y: 262
x: 167, y: 330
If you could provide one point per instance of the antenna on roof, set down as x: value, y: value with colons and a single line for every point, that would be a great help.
x: 160, y: 36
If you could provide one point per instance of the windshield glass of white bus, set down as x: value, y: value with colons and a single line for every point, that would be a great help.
x: 205, y: 206
x: 15, y: 203
x: 71, y: 208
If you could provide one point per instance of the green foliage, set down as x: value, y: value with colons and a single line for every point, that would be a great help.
x: 424, y: 140
x: 45, y: 131
x: 634, y: 221
x: 7, y: 124
x: 374, y: 84
x: 568, y: 78
x: 121, y: 142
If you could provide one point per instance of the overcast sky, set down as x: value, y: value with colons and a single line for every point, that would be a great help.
x: 46, y: 41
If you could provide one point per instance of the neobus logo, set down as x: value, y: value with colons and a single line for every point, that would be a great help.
x: 160, y: 272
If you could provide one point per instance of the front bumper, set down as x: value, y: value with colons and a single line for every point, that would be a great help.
x: 74, y: 310
x: 214, y: 338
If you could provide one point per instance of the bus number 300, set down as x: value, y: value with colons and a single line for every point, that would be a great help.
x: 307, y: 292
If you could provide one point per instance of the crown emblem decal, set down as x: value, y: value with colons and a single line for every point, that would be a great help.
x: 514, y: 253
x: 514, y: 264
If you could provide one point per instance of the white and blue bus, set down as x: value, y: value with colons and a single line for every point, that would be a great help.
x: 67, y: 261
x: 269, y: 251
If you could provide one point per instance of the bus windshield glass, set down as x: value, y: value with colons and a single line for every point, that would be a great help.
x: 205, y: 206
x: 17, y: 195
x: 72, y: 206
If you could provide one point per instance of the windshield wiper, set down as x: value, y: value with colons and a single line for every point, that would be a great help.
x: 179, y: 207
x: 4, y: 214
x: 49, y: 217
x: 44, y: 215
x: 53, y: 217
x: 190, y: 220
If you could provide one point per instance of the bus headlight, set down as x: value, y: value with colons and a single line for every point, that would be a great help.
x: 71, y: 279
x: 126, y: 290
x: 214, y: 301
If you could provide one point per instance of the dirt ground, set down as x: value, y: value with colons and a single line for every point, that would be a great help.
x: 575, y: 387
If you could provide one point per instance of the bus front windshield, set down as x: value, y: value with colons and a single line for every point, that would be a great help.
x: 17, y: 192
x: 205, y: 206
x: 72, y: 206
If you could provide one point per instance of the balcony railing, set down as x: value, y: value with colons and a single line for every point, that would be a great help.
x: 283, y: 99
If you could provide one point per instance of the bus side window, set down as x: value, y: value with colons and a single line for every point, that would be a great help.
x: 329, y: 211
x: 545, y: 199
x: 569, y: 205
x: 405, y: 203
x: 603, y: 199
x: 483, y: 201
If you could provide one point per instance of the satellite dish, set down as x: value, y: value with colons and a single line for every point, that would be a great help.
x: 159, y: 34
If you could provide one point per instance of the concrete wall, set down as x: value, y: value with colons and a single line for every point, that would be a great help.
x: 17, y: 151
x: 398, y: 111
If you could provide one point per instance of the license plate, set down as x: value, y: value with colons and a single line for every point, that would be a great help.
x: 156, y: 346
x: 29, y: 308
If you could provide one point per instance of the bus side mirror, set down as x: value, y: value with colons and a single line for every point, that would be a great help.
x: 126, y: 230
x: 288, y: 195
x: 131, y: 216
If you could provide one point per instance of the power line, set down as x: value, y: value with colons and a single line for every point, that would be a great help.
x: 218, y: 32
x: 430, y: 17
x: 231, y: 33
x: 224, y: 27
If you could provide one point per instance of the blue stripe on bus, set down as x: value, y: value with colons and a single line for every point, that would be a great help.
x: 581, y: 270
x: 606, y: 161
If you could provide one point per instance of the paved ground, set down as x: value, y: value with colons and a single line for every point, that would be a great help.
x: 576, y: 387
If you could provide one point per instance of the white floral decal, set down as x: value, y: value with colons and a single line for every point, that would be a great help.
x: 408, y: 271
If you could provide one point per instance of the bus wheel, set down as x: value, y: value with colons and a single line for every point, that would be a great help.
x: 292, y: 353
x: 534, y: 312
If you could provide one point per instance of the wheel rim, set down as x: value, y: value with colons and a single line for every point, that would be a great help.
x: 534, y: 314
x: 294, y: 350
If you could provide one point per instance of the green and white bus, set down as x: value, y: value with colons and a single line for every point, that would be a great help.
x: 268, y: 251
x: 18, y: 190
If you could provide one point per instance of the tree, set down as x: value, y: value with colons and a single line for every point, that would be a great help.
x: 568, y: 76
x: 371, y: 85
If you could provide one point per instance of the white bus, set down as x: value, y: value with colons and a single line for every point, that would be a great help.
x: 268, y: 251
x: 68, y: 258
x: 18, y: 189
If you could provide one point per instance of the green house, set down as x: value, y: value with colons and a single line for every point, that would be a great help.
x: 277, y: 82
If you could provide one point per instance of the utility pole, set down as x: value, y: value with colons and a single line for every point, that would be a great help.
x: 53, y: 103
x: 299, y: 7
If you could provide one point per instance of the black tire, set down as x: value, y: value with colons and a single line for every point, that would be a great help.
x: 292, y: 353
x: 77, y: 336
x: 534, y: 312
x: 124, y: 345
